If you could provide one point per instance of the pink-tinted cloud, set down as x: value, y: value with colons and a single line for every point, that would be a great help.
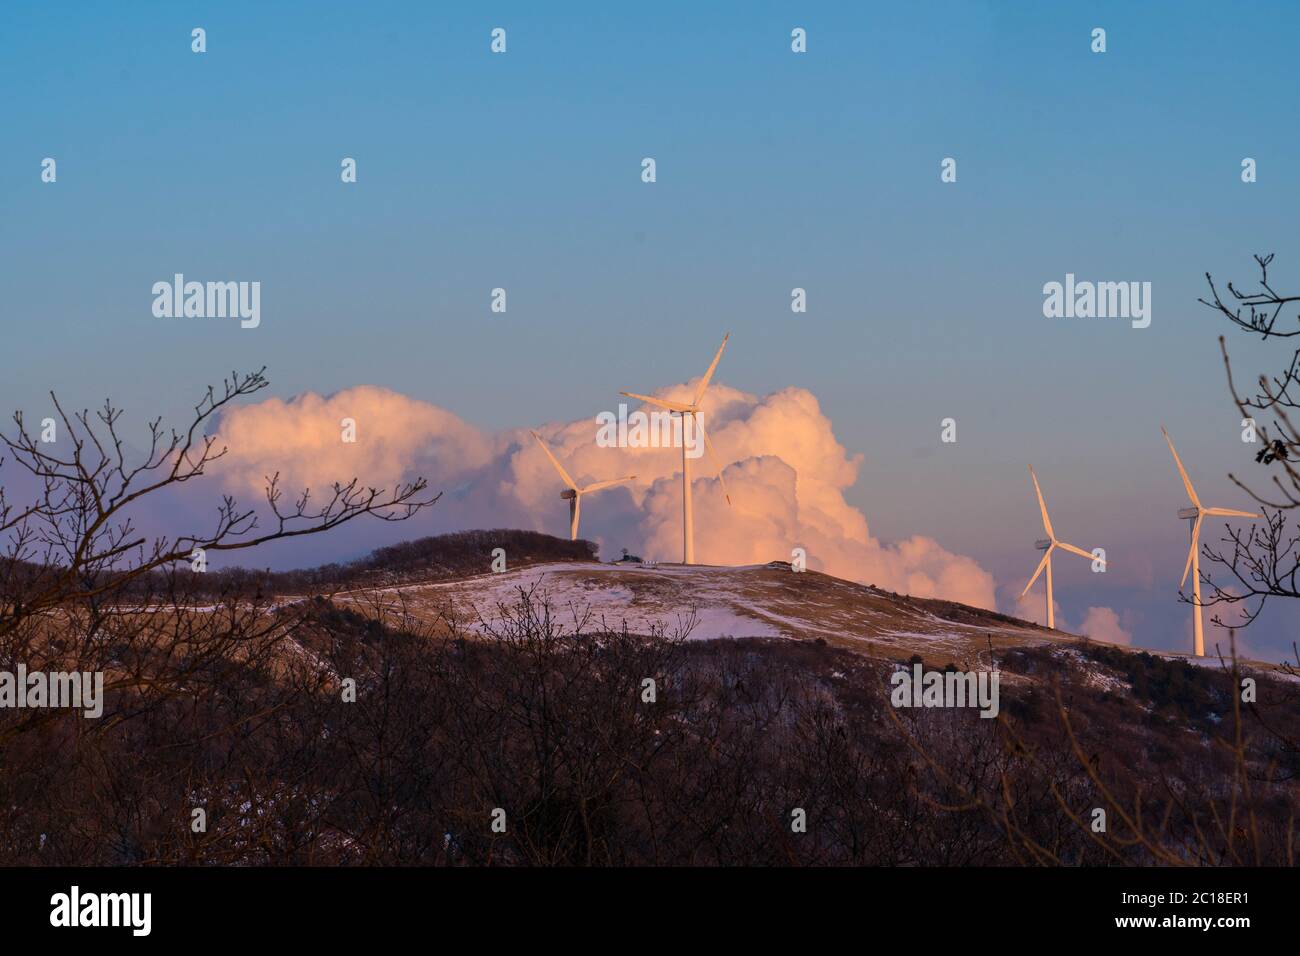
x: 1103, y: 624
x: 784, y: 469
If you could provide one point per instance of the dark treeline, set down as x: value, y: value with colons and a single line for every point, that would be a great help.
x: 439, y: 557
x: 544, y: 725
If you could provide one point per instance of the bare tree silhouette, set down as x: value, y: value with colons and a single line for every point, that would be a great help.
x: 1260, y: 561
x: 72, y: 555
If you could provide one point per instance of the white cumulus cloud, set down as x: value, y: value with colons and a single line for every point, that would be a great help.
x: 785, y: 470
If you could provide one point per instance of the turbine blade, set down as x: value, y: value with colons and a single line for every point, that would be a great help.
x: 1191, y: 552
x: 704, y: 383
x: 598, y: 485
x: 1230, y: 513
x: 661, y: 402
x: 1081, y: 553
x: 1187, y: 482
x: 1041, y: 564
x: 556, y: 462
x: 717, y: 463
x: 1042, y: 505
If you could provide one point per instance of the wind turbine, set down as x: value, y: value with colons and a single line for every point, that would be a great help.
x: 573, y: 492
x: 1196, y: 513
x: 693, y: 410
x: 1049, y: 545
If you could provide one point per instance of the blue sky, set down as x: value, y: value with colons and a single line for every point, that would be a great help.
x: 774, y: 171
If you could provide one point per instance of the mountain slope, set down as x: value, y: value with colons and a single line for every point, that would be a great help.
x: 757, y: 601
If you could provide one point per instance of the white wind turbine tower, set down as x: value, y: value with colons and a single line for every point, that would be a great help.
x: 1049, y: 545
x: 1196, y: 513
x: 573, y: 492
x: 693, y: 410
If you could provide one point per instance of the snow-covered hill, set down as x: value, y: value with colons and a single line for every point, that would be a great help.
x: 756, y: 601
x: 768, y: 601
